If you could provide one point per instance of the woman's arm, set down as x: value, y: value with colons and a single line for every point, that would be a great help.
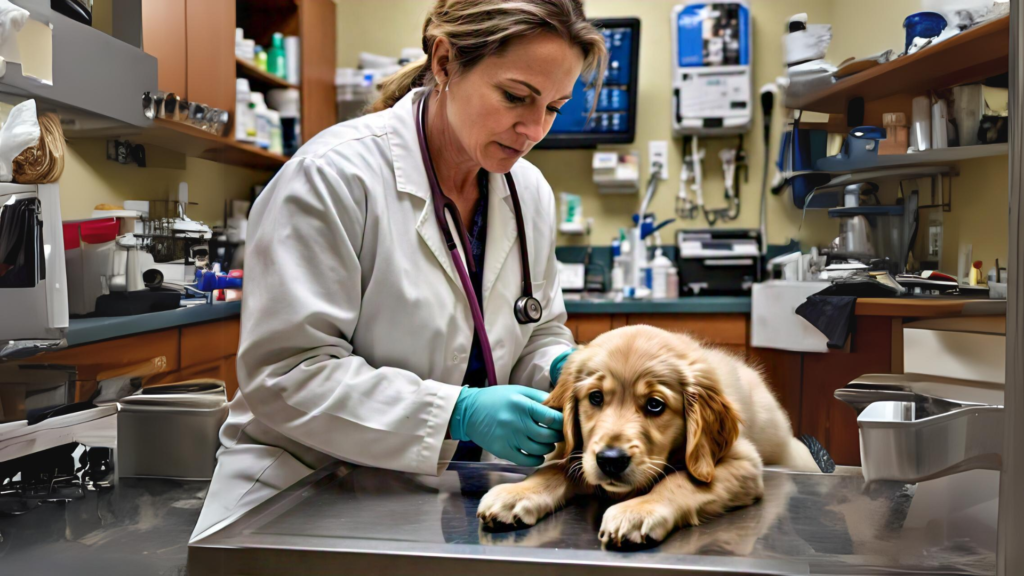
x: 302, y: 302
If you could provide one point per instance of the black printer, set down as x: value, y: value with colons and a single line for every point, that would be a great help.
x: 718, y: 262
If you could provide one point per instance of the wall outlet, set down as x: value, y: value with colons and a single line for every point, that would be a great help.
x: 658, y: 152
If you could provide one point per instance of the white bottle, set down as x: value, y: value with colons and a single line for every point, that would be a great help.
x: 276, y: 141
x: 262, y: 121
x: 239, y: 42
x: 673, y: 283
x: 660, y: 268
x: 245, y: 122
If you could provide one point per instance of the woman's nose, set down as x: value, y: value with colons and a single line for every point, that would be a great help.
x: 531, y: 125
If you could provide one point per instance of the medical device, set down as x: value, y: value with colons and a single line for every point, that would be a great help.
x: 527, y: 309
x: 711, y: 68
x: 613, y: 120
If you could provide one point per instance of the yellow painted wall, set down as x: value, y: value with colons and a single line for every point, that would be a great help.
x: 90, y: 179
x: 359, y: 29
x: 860, y: 27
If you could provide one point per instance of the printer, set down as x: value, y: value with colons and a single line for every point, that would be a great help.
x: 718, y: 262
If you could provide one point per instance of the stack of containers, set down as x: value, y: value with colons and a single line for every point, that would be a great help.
x: 276, y: 127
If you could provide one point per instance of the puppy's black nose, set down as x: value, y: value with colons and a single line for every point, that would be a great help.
x: 613, y: 461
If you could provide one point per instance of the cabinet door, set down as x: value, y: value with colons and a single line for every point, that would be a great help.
x: 317, y: 28
x: 163, y: 36
x: 210, y: 39
x: 727, y: 329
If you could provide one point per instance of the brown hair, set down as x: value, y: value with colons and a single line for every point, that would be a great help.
x: 42, y: 162
x: 477, y: 29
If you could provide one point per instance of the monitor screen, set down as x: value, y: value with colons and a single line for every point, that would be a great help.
x: 614, y: 118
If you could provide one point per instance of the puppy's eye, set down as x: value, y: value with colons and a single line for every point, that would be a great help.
x: 596, y: 398
x: 655, y: 406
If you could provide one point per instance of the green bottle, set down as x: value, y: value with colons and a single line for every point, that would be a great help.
x: 276, y: 62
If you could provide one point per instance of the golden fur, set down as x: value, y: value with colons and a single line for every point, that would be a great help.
x: 698, y: 457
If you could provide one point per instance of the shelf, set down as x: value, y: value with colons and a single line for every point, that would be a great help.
x: 940, y: 156
x: 197, y: 143
x: 970, y: 56
x: 260, y: 79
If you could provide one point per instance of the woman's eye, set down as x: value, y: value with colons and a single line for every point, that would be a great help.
x: 596, y: 398
x: 513, y: 98
x: 555, y: 110
x: 655, y: 406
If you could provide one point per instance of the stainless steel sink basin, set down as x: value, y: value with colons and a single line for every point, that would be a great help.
x: 912, y: 437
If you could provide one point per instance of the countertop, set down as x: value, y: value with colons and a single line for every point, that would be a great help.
x: 86, y: 330
x: 600, y: 304
x: 140, y: 526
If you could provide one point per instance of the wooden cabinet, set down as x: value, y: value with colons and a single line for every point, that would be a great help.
x: 210, y: 40
x: 317, y: 28
x: 197, y: 351
x: 163, y: 36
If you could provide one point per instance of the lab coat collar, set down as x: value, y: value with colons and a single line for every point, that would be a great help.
x: 411, y: 178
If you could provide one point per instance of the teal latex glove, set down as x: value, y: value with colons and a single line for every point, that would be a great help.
x: 507, y: 421
x: 556, y: 365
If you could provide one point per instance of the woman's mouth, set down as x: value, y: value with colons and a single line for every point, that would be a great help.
x: 509, y: 151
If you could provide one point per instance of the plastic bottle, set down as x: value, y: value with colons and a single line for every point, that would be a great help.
x: 673, y: 283
x: 245, y: 122
x: 261, y: 58
x: 617, y: 272
x: 659, y: 267
x: 262, y: 120
x: 239, y: 42
x: 277, y: 63
x: 276, y: 141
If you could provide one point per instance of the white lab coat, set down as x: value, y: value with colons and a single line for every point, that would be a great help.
x: 356, y: 331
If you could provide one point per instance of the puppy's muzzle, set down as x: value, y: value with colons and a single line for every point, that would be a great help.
x: 613, y: 462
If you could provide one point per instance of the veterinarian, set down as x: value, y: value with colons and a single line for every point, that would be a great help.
x: 403, y: 262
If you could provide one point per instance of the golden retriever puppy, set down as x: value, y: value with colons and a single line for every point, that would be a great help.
x: 674, y: 430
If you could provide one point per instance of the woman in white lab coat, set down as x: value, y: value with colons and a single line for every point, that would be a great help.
x: 357, y: 334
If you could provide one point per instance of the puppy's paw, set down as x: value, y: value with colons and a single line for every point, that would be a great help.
x: 514, y: 505
x: 635, y: 523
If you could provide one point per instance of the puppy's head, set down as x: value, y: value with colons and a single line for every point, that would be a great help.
x: 638, y: 402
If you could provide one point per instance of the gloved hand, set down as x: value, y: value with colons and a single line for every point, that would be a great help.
x: 507, y: 421
x: 556, y: 365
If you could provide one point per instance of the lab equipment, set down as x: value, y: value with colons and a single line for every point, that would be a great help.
x: 805, y: 42
x: 711, y: 68
x: 170, y: 430
x: 527, y: 309
x: 571, y: 221
x: 660, y: 269
x: 208, y: 281
x: 507, y: 421
x: 614, y: 117
x: 897, y: 135
x: 924, y: 25
x: 718, y: 262
x: 690, y: 179
x: 891, y: 232
x: 33, y: 288
x: 691, y: 176
x: 921, y: 124
x: 768, y: 93
x: 245, y: 117
x: 276, y: 61
x: 292, y: 55
x: 617, y: 173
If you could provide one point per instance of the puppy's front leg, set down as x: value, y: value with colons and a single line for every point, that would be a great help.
x: 676, y: 501
x: 526, y: 502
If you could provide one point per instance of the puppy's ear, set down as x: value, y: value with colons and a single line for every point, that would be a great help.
x: 712, y: 425
x: 563, y: 398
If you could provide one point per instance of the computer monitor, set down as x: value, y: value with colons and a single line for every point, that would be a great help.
x: 614, y: 119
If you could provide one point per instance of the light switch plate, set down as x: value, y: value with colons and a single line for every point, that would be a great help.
x: 658, y: 152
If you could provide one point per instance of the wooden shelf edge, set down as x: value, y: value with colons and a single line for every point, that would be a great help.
x: 254, y: 73
x: 197, y: 143
x: 826, y: 100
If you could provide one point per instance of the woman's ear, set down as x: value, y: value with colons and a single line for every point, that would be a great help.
x: 712, y: 425
x: 563, y: 398
x: 440, y: 60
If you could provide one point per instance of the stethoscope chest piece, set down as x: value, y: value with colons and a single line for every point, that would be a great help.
x: 528, y: 310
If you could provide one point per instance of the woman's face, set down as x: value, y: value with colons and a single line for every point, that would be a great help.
x: 505, y: 104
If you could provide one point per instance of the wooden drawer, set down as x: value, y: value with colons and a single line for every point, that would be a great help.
x: 205, y: 343
x: 92, y: 359
x: 729, y: 329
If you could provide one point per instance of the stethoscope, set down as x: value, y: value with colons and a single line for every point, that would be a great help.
x: 527, y: 309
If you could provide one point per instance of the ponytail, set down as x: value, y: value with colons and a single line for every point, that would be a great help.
x: 401, y: 83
